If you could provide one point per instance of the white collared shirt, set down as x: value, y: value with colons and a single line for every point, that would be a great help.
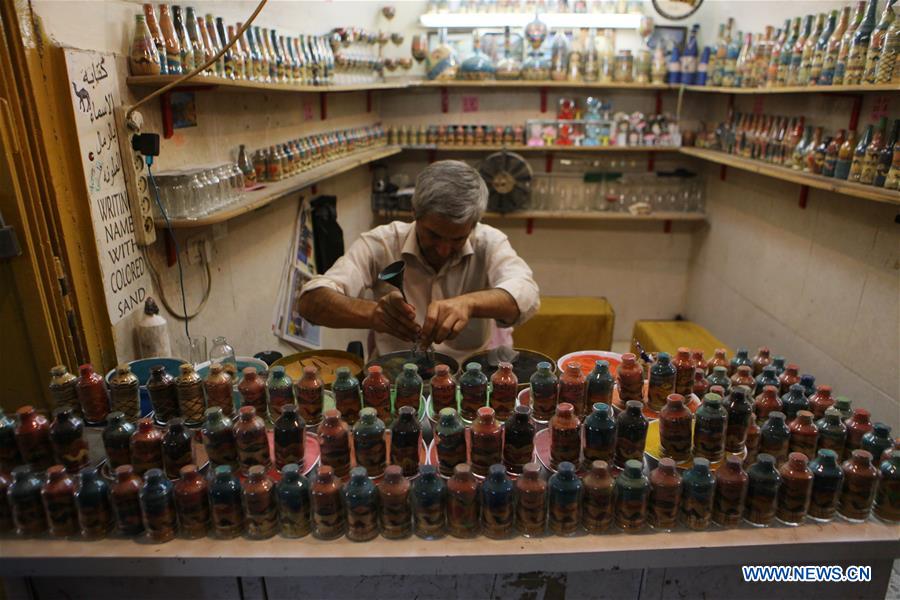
x: 486, y: 261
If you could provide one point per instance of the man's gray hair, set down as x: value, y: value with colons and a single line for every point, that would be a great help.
x: 451, y: 189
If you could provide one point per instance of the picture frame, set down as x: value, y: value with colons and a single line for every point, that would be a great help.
x: 669, y: 35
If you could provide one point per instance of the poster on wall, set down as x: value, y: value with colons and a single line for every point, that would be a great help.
x: 299, y: 267
x: 94, y: 89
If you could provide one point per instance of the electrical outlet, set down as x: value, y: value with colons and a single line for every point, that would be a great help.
x: 137, y: 183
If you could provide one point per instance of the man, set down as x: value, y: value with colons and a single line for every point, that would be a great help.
x: 459, y: 275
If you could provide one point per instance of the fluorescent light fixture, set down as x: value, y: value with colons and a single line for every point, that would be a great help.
x: 553, y: 20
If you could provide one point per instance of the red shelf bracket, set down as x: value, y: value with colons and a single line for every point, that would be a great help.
x: 854, y: 113
x: 168, y: 120
x: 723, y: 171
x: 529, y: 226
x: 323, y: 105
x: 651, y: 161
x: 548, y: 163
x: 432, y: 156
x: 543, y: 99
x: 368, y: 101
x: 667, y: 226
x: 171, y: 253
x: 658, y: 102
x: 314, y: 189
x: 804, y: 196
x: 445, y: 100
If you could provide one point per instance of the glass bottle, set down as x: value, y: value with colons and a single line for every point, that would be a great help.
x: 878, y: 439
x: 789, y: 377
x: 844, y: 24
x: 329, y: 519
x: 347, y: 397
x: 473, y: 385
x: 544, y: 389
x: 779, y: 363
x: 217, y: 433
x: 856, y: 57
x: 631, y: 495
x: 334, y: 441
x: 719, y: 376
x: 429, y: 495
x: 62, y: 388
x: 251, y: 440
x: 857, y: 427
x: 698, y: 494
x: 189, y: 391
x: 740, y: 414
x: 260, y: 503
x: 719, y: 359
x: 463, y: 514
x: 845, y: 156
x: 409, y: 387
x: 775, y: 437
x: 762, y: 491
x: 600, y: 384
x: 292, y: 492
x: 67, y: 439
x: 809, y: 48
x: 174, y: 65
x: 859, y: 155
x: 406, y: 439
x: 199, y: 43
x: 218, y: 387
x: 395, y: 515
x: 832, y: 432
x: 289, y: 438
x: 887, y: 498
x: 158, y: 507
x: 872, y: 154
x: 117, y: 440
x: 497, y: 504
x: 827, y: 479
x: 24, y: 497
x: 559, y: 57
x: 146, y: 447
x: 565, y: 436
x: 754, y: 433
x: 821, y: 401
x: 186, y: 52
x: 598, y: 504
x: 210, y: 48
x: 730, y: 492
x: 743, y: 376
x: 887, y: 70
x: 675, y: 423
x: 859, y: 487
x: 842, y: 404
x: 684, y: 372
x: 796, y: 55
x: 767, y: 403
x: 443, y: 389
x: 665, y: 496
x: 376, y: 391
x: 163, y: 394
x: 768, y: 376
x: 91, y: 391
x: 795, y: 490
x: 310, y: 393
x: 504, y: 389
x: 253, y: 390
x: 191, y: 493
x: 821, y: 47
x: 369, y: 443
x: 699, y: 384
x: 883, y: 166
x: 631, y: 434
x: 361, y: 500
x: 630, y: 379
x: 572, y: 388
x: 599, y: 435
x: 225, y: 504
x: 176, y: 447
x: 58, y: 497
x: 709, y: 429
x: 156, y: 35
x: 564, y: 500
x: 9, y: 450
x: 662, y: 381
x: 124, y: 496
x: 804, y: 434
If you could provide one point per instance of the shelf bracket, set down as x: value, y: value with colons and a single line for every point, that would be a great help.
x: 529, y: 226
x: 723, y: 171
x: 314, y: 189
x: 445, y: 100
x: 168, y: 119
x: 548, y: 163
x: 543, y: 99
x: 323, y: 105
x: 368, y: 101
x: 651, y: 161
x: 658, y: 102
x: 171, y: 253
x: 432, y: 156
x: 854, y: 113
x: 667, y: 226
x: 804, y: 196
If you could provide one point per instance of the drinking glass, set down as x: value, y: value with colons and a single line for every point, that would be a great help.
x: 197, y: 346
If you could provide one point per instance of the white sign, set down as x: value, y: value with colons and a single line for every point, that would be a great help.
x: 94, y: 85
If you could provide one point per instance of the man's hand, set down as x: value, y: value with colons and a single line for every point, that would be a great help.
x: 445, y: 319
x: 394, y: 316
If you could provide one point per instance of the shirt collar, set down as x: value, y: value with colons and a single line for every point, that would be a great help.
x: 411, y: 247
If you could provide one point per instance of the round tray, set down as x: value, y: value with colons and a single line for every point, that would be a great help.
x: 327, y: 361
x: 542, y: 450
x: 653, y: 450
x: 524, y: 366
x: 693, y: 403
x: 392, y: 364
x: 423, y: 455
x: 311, y: 456
x: 587, y: 358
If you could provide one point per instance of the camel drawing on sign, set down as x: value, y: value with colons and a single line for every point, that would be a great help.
x: 84, y: 98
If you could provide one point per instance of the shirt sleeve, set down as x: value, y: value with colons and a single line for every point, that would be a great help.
x: 352, y: 273
x: 507, y: 271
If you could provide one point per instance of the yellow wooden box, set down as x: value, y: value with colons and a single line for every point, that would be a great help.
x: 568, y: 323
x: 668, y: 336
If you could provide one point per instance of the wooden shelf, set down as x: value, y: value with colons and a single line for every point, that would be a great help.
x: 524, y: 148
x: 278, y: 189
x: 542, y: 83
x: 857, y: 190
x: 797, y: 89
x: 240, y: 85
x: 563, y: 215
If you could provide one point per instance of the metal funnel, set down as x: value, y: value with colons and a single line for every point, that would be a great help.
x: 393, y: 275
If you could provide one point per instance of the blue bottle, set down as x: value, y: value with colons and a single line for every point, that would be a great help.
x: 293, y: 502
x: 674, y: 66
x: 497, y: 504
x: 565, y: 490
x: 703, y: 67
x: 689, y: 58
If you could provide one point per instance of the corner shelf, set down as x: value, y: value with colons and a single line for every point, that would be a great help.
x: 242, y: 85
x: 539, y: 83
x: 279, y: 189
x: 524, y: 148
x: 848, y: 188
x: 796, y: 89
x: 570, y: 215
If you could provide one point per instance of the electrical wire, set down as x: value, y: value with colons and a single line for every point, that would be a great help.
x: 199, y: 69
x: 157, y: 281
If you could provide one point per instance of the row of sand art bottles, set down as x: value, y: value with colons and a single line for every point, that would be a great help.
x: 181, y: 41
x: 86, y: 506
